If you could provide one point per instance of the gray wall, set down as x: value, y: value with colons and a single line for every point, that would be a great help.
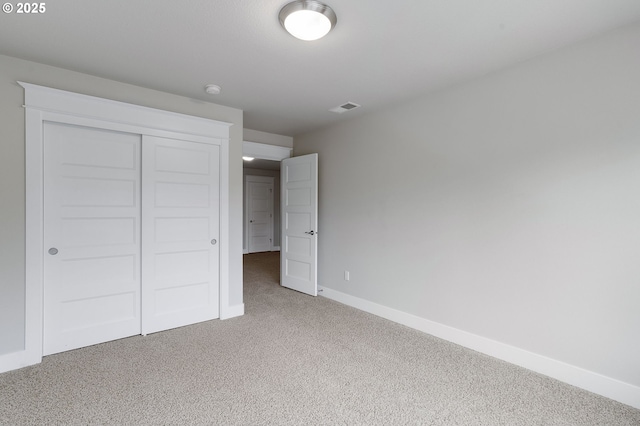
x: 268, y: 138
x: 509, y: 206
x: 276, y: 202
x: 12, y: 169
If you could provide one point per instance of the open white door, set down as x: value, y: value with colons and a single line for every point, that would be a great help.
x: 298, y: 256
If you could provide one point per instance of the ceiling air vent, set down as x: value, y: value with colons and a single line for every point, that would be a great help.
x: 346, y: 107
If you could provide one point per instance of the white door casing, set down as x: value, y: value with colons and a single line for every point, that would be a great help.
x: 180, y: 233
x: 299, y: 213
x: 259, y: 202
x: 265, y: 152
x: 92, y: 222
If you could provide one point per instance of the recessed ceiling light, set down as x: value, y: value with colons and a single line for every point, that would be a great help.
x: 212, y: 89
x: 248, y: 158
x: 307, y: 19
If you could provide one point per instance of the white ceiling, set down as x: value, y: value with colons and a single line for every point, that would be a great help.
x: 379, y: 53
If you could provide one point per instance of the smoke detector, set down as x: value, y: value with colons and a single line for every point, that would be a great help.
x: 345, y: 107
x: 212, y: 89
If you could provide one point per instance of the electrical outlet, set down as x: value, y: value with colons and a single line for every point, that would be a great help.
x: 346, y: 275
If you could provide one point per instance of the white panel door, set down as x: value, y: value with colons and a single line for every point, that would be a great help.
x: 180, y: 207
x: 260, y: 212
x: 298, y: 256
x: 91, y: 236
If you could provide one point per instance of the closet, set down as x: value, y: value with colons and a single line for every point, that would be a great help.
x: 131, y: 222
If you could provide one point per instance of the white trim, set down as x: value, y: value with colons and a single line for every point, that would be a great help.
x: 260, y: 179
x: 15, y: 360
x: 576, y: 376
x: 47, y: 99
x: 224, y: 233
x: 265, y: 151
x: 233, y: 311
x: 47, y: 104
x: 34, y: 214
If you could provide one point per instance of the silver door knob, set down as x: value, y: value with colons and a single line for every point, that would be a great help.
x: 214, y: 242
x: 310, y: 232
x: 53, y: 251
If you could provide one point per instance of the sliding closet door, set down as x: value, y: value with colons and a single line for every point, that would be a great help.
x: 180, y: 207
x: 92, y: 236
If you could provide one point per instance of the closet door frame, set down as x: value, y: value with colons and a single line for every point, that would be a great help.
x: 44, y: 104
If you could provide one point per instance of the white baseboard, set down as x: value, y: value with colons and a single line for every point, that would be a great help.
x: 20, y: 359
x: 16, y: 360
x: 232, y: 311
x: 576, y: 376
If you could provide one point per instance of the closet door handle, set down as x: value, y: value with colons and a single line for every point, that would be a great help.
x: 53, y: 251
x: 214, y: 242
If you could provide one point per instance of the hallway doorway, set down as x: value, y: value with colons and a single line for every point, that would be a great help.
x: 261, y: 273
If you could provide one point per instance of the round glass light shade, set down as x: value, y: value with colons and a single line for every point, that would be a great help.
x: 307, y: 25
x: 307, y: 20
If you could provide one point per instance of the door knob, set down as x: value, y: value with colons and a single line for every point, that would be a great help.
x: 53, y: 251
x: 310, y: 232
x: 214, y: 242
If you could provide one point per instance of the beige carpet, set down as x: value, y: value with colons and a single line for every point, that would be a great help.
x: 292, y: 360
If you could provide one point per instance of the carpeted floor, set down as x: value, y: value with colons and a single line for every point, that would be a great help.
x: 292, y: 360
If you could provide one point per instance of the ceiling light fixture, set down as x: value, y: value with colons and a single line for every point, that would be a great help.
x: 248, y: 158
x: 307, y: 19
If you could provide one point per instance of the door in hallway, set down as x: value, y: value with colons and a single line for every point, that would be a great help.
x: 260, y: 213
